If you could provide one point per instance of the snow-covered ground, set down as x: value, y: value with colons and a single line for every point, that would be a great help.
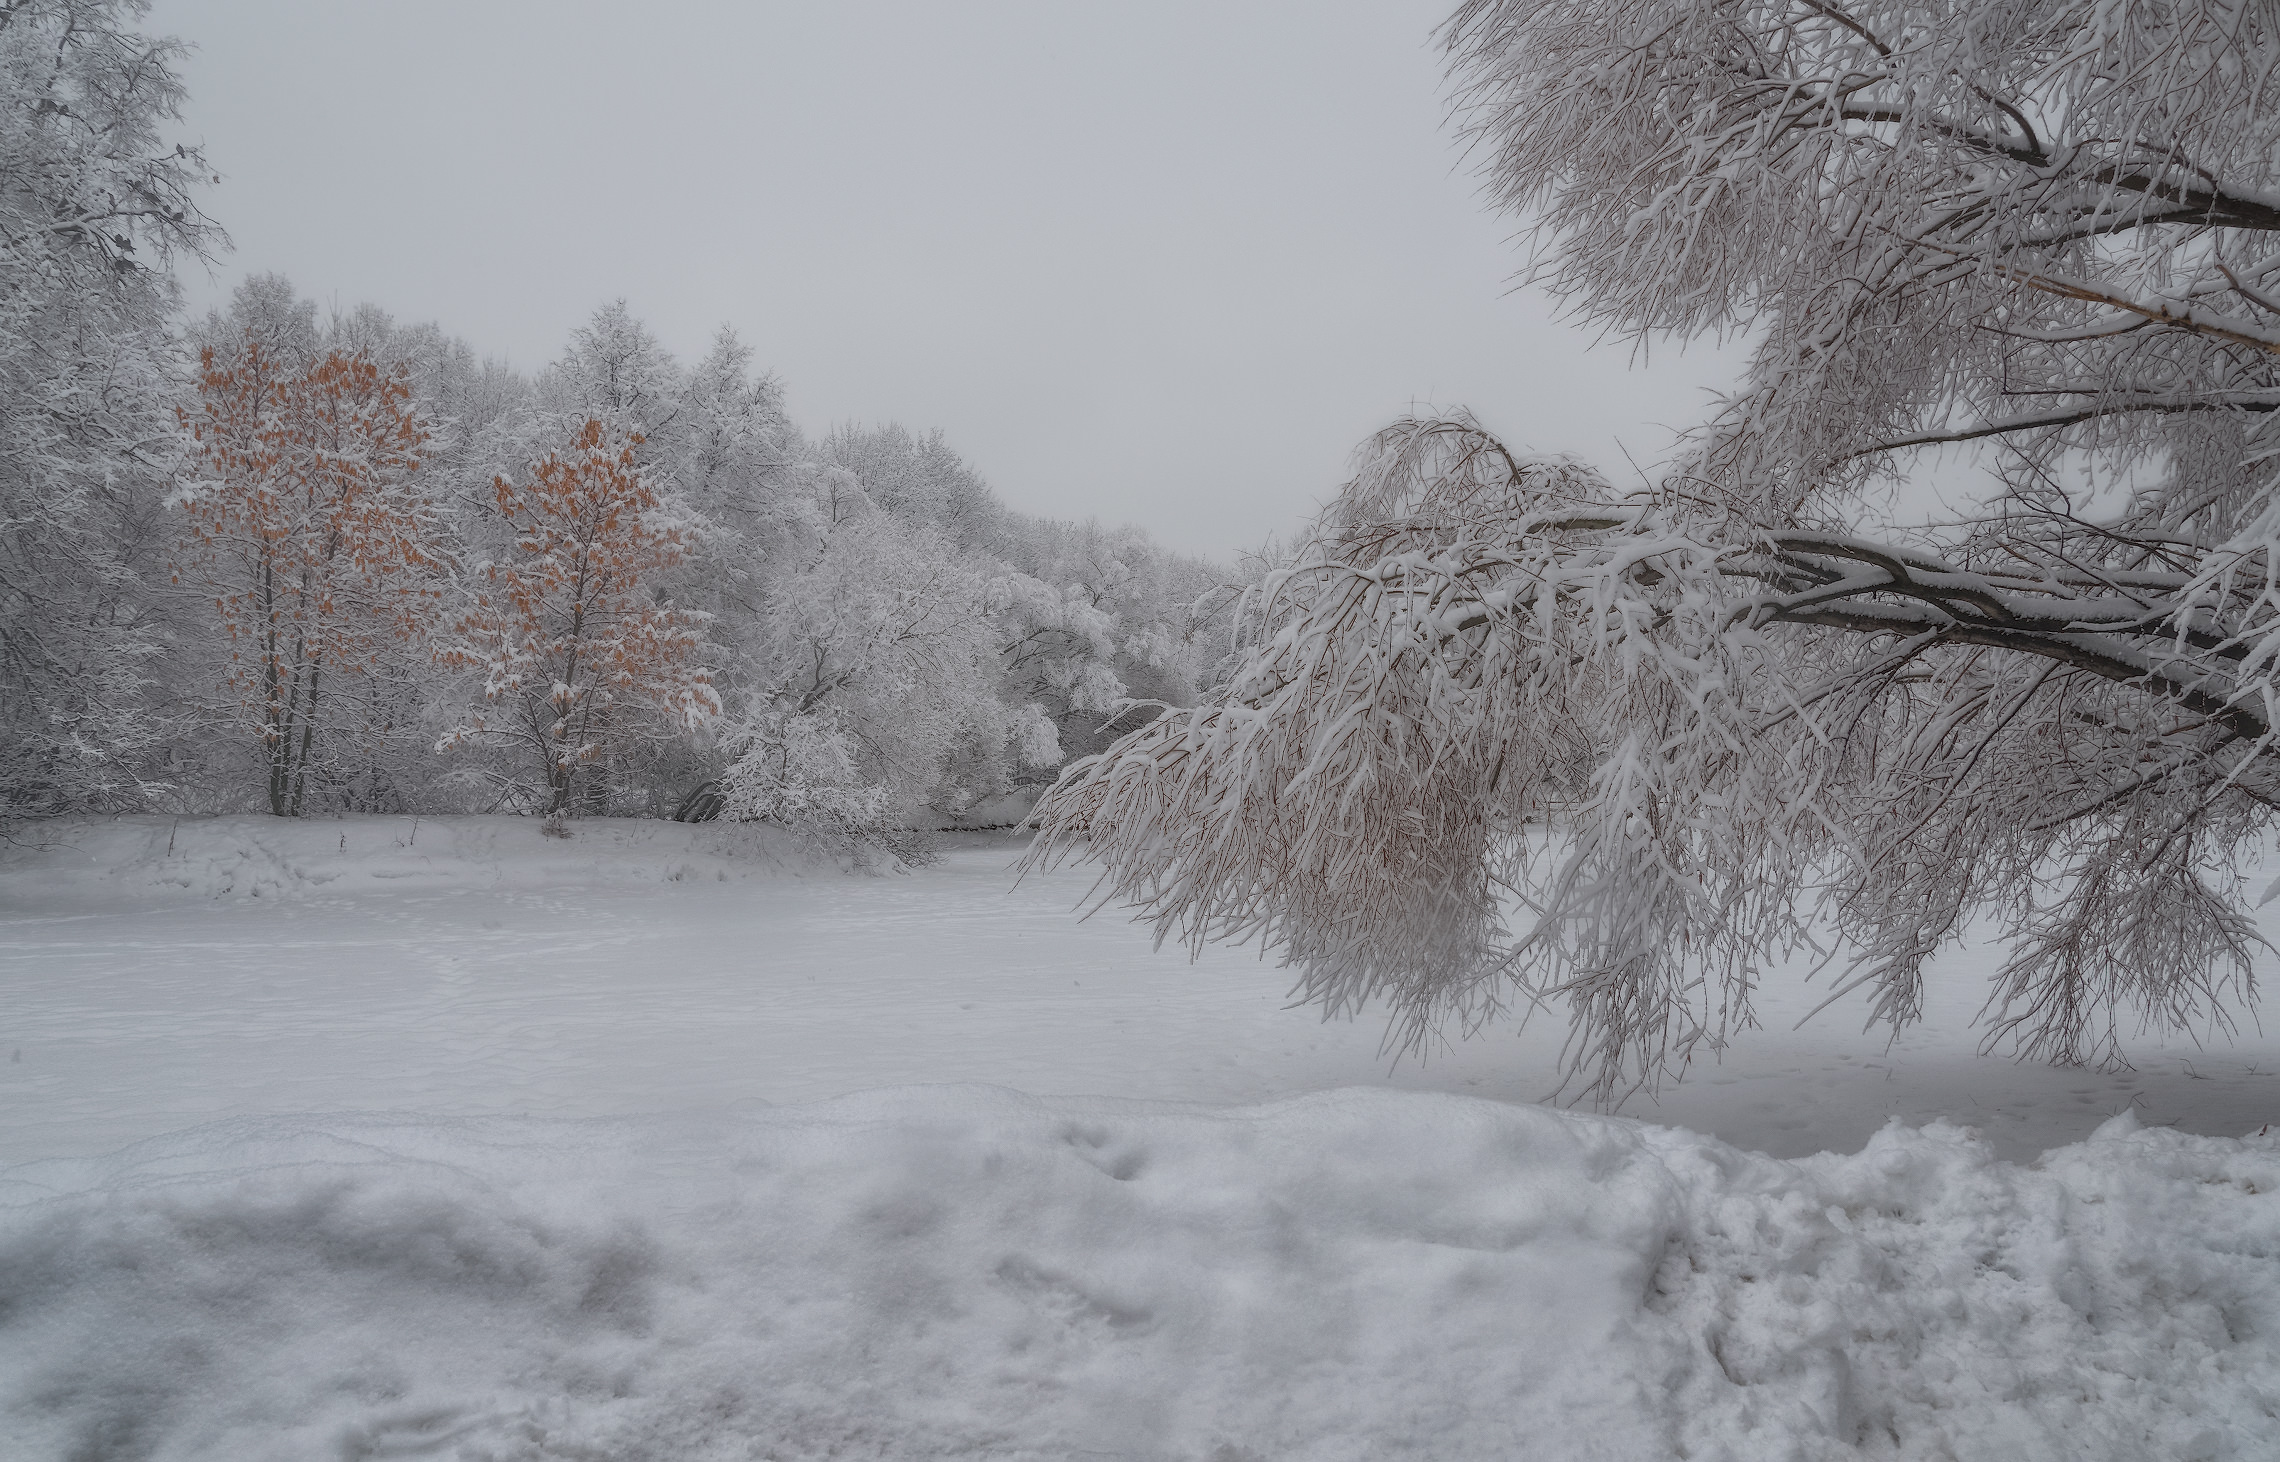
x: 346, y: 1139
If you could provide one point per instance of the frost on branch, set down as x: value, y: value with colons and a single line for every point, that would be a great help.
x: 1507, y: 736
x: 2039, y: 221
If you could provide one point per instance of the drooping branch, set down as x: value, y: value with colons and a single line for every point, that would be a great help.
x: 2097, y: 411
x: 2078, y: 651
x: 1503, y: 736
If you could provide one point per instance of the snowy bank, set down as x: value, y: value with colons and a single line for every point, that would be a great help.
x: 70, y: 862
x: 965, y: 1272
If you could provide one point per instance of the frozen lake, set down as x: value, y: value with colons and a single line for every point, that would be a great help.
x: 482, y: 970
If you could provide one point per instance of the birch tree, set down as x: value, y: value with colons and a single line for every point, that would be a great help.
x: 1750, y: 720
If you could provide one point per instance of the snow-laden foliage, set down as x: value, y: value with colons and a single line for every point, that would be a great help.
x: 853, y: 634
x: 573, y: 649
x: 882, y: 630
x: 2042, y: 221
x: 305, y: 524
x: 370, y: 565
x: 1110, y: 628
x: 93, y: 209
x: 802, y: 770
x: 1509, y: 736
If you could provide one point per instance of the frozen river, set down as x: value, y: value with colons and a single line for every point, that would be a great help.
x: 485, y: 971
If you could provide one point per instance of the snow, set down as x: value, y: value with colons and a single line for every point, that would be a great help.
x: 470, y: 966
x: 965, y: 1271
x: 337, y: 1140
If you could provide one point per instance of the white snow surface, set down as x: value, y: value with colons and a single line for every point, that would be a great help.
x: 337, y: 1140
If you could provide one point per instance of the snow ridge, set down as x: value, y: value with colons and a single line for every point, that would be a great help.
x: 966, y: 1272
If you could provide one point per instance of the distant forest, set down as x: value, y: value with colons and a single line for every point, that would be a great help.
x: 267, y: 561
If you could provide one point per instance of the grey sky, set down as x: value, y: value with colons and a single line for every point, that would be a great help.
x: 1162, y: 263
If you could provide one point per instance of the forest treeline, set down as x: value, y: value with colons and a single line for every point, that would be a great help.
x: 263, y: 561
x: 348, y: 565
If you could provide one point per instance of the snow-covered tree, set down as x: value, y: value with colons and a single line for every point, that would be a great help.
x: 576, y: 652
x: 378, y: 754
x: 917, y: 479
x: 875, y: 637
x: 94, y: 207
x: 1104, y: 626
x: 804, y: 770
x: 308, y: 530
x: 1748, y: 717
x: 735, y: 467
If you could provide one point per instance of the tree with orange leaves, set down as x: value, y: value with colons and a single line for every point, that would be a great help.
x: 307, y: 527
x: 575, y: 652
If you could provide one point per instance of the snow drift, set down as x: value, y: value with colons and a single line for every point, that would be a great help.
x: 939, y: 1272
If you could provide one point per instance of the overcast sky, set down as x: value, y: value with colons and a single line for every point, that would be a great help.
x: 1162, y: 263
